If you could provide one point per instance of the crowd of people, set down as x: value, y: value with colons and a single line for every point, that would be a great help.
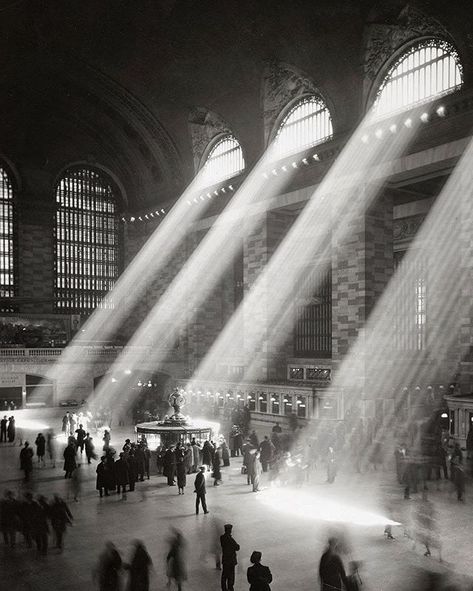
x: 35, y: 519
x: 284, y: 458
x: 7, y: 429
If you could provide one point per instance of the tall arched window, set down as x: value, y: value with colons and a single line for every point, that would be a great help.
x: 308, y: 123
x: 87, y: 248
x: 428, y: 69
x: 225, y: 160
x: 7, y: 274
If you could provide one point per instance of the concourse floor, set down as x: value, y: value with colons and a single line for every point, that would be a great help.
x: 289, y: 525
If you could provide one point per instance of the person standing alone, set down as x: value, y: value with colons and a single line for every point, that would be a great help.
x: 200, y: 490
x: 229, y: 559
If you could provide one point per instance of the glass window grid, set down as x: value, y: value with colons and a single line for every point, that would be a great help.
x: 7, y: 257
x: 308, y: 123
x: 313, y: 330
x: 263, y: 402
x: 224, y: 161
x: 301, y: 404
x: 87, y: 243
x: 410, y: 317
x: 427, y: 70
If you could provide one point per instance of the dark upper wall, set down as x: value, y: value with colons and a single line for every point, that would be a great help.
x: 160, y: 59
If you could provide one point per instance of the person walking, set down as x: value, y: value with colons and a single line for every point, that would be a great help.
x: 108, y: 568
x: 80, y: 438
x: 266, y: 449
x: 26, y: 460
x: 66, y: 424
x: 331, y: 569
x: 259, y: 577
x: 61, y: 517
x: 76, y: 483
x: 138, y: 568
x: 51, y: 447
x: 256, y: 471
x: 69, y: 459
x: 101, y: 483
x: 40, y: 448
x: 331, y: 465
x: 175, y: 560
x: 229, y: 558
x: 169, y: 466
x: 200, y: 490
x: 89, y: 448
x: 3, y: 429
x: 9, y: 518
x: 11, y: 429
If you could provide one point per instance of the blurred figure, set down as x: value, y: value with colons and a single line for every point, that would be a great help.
x: 259, y: 576
x: 354, y: 582
x: 80, y: 437
x: 331, y: 465
x: 89, y: 448
x: 102, y: 482
x: 76, y: 483
x: 9, y: 519
x: 107, y: 572
x: 51, y: 447
x: 139, y: 567
x: 256, y: 472
x: 11, y: 429
x: 66, y: 424
x: 69, y: 459
x: 40, y: 448
x: 266, y: 450
x: 331, y: 569
x: 229, y: 558
x: 175, y: 560
x: 26, y: 461
x: 425, y: 526
x: 3, y: 429
x: 106, y: 440
x: 216, y: 474
x: 61, y: 517
x: 39, y: 525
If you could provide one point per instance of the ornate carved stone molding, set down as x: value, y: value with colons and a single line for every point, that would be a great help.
x: 204, y: 126
x: 382, y: 40
x: 405, y: 229
x: 281, y: 85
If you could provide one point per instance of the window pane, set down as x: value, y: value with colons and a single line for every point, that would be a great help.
x: 224, y: 161
x: 7, y: 283
x: 426, y: 71
x: 307, y: 124
x: 86, y: 226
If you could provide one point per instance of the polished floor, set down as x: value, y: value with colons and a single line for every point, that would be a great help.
x: 289, y: 525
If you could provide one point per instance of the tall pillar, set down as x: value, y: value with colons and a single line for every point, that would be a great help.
x: 362, y: 264
x: 259, y: 247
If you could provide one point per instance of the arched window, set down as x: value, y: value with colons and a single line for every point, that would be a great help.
x: 87, y: 248
x: 225, y: 160
x: 7, y: 274
x: 308, y: 123
x: 425, y: 71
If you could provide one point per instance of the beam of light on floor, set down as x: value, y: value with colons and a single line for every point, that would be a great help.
x: 347, y: 190
x: 153, y: 257
x: 437, y: 250
x: 318, y: 506
x: 195, y: 281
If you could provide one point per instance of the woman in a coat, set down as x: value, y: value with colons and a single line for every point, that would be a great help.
x: 181, y: 476
x: 207, y: 455
x: 40, y: 448
x: 259, y: 576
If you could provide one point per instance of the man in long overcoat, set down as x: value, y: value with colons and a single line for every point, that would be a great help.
x: 200, y: 490
x: 229, y: 558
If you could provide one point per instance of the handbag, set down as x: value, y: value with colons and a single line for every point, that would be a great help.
x: 244, y: 470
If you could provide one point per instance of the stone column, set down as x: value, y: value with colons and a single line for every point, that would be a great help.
x: 362, y: 264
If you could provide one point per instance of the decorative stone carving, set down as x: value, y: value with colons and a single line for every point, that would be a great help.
x: 407, y: 228
x: 204, y: 126
x: 281, y: 84
x: 383, y: 40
